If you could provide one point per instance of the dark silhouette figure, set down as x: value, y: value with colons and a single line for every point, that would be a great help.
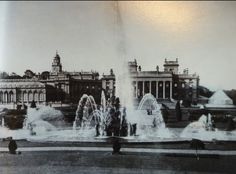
x: 97, y: 125
x: 154, y: 122
x: 178, y: 111
x: 124, y: 125
x: 116, y: 123
x: 25, y: 107
x: 165, y: 112
x: 197, y: 144
x: 97, y: 130
x: 149, y: 111
x: 12, y: 146
x: 230, y: 124
x: 116, y: 147
x: 133, y: 128
x: 109, y: 127
x: 33, y: 104
x: 117, y: 103
x: 18, y: 107
x: 124, y: 129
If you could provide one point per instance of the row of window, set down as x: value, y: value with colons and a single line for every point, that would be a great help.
x: 9, y: 97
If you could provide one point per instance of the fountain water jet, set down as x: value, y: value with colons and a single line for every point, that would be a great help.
x: 103, y: 102
x: 3, y: 122
x: 84, y: 112
x: 150, y: 122
x: 148, y: 102
x: 203, y: 129
x: 41, y: 120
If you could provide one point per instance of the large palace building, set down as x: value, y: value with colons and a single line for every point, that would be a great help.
x: 163, y: 85
x: 59, y: 86
x: 50, y: 87
x: 167, y: 84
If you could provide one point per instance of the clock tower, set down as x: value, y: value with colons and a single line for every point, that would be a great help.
x: 56, y: 64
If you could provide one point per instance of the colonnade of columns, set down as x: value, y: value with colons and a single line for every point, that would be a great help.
x: 160, y: 89
x: 22, y: 96
x: 7, y: 97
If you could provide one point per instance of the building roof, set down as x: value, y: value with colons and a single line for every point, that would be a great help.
x: 20, y: 83
x: 154, y: 74
x: 220, y: 98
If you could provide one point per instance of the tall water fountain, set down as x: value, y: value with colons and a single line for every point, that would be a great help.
x: 203, y: 129
x: 106, y: 120
x: 43, y: 119
x: 149, y: 119
x: 103, y: 102
x: 86, y: 107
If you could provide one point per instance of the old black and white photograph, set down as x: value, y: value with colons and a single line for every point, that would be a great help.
x: 117, y: 87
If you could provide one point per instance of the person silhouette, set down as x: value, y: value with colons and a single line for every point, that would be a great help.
x: 12, y: 146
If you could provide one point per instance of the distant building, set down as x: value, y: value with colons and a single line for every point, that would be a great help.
x: 167, y: 84
x: 70, y: 86
x: 108, y: 84
x: 59, y: 86
x: 23, y: 91
x: 54, y: 86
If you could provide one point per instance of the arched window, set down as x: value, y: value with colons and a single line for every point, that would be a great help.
x: 25, y: 96
x: 10, y: 97
x: 1, y: 97
x: 41, y: 97
x: 5, y: 97
x: 30, y: 95
x: 36, y: 96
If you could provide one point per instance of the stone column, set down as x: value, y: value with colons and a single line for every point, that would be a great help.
x: 143, y: 88
x: 150, y: 87
x: 164, y: 89
x: 38, y: 96
x: 136, y: 89
x: 28, y: 97
x: 171, y: 89
x: 22, y: 98
x: 157, y: 89
x: 15, y: 97
x: 44, y: 97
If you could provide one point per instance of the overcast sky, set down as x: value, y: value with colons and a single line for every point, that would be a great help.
x: 99, y: 35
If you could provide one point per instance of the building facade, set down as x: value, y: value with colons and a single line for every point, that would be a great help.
x: 50, y: 86
x: 68, y: 87
x: 167, y: 84
x: 22, y: 91
x: 109, y: 84
x: 59, y: 86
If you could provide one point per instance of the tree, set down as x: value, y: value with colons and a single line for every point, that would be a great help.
x: 13, y: 75
x: 4, y: 75
x: 29, y: 74
x: 232, y: 95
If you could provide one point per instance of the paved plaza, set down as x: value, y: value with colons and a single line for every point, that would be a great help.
x: 76, y: 159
